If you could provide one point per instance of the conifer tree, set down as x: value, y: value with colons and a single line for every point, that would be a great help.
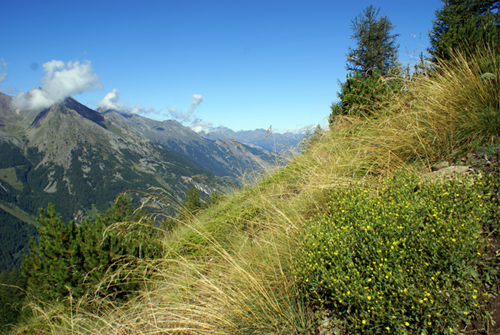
x: 371, y: 66
x: 376, y: 47
x: 75, y: 259
x: 52, y: 266
x: 192, y: 203
x: 465, y: 25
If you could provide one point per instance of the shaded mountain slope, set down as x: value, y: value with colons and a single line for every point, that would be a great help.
x: 75, y: 158
x: 221, y: 157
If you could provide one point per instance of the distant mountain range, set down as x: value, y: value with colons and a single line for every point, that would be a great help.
x: 80, y: 159
x: 70, y: 144
x: 266, y: 139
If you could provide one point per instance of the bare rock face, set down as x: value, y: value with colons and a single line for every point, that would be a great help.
x: 445, y: 171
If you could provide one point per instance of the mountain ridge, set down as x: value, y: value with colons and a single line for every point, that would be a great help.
x: 259, y: 138
x: 69, y: 147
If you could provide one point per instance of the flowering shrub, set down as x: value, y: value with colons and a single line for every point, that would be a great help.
x: 487, y: 163
x: 401, y: 258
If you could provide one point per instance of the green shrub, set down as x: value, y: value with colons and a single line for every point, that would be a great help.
x: 401, y: 259
x: 94, y: 257
x: 487, y: 163
x: 365, y: 96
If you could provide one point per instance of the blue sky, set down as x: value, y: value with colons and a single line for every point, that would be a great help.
x: 239, y: 64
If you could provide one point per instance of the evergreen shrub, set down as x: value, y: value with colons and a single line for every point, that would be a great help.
x: 97, y: 256
x: 365, y: 95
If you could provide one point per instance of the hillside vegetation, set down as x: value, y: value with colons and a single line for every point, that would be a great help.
x: 347, y: 238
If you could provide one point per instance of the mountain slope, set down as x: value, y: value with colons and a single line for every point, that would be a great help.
x: 77, y: 159
x: 221, y: 157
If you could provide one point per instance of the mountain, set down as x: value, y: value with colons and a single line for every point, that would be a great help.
x: 223, y: 157
x: 261, y: 138
x: 80, y: 159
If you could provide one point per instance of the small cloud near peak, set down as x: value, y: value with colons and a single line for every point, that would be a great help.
x: 187, y: 116
x: 61, y: 80
x: 112, y: 101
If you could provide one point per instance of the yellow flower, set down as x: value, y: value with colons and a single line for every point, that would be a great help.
x: 407, y: 324
x: 363, y: 322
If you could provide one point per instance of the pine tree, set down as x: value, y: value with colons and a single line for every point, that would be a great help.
x: 52, y: 266
x: 376, y: 47
x: 371, y: 65
x: 192, y: 202
x: 463, y: 25
x: 75, y: 259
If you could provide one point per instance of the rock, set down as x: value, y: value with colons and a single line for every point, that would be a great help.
x: 440, y: 165
x: 447, y: 172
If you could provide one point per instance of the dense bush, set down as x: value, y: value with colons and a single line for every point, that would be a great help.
x: 365, y: 96
x: 398, y: 259
x: 96, y: 256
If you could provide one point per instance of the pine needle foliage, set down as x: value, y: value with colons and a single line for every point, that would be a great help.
x: 463, y: 25
x: 374, y: 73
x: 376, y: 47
x: 73, y: 260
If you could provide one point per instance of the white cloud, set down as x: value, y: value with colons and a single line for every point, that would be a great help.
x: 186, y: 116
x: 198, y: 125
x: 60, y: 81
x: 112, y: 101
x: 197, y: 99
